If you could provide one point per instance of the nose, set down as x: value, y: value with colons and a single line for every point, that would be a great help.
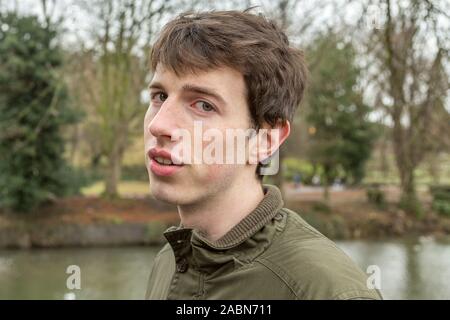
x: 164, y: 121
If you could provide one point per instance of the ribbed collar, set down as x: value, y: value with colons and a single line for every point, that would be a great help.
x: 243, y: 240
x: 258, y: 218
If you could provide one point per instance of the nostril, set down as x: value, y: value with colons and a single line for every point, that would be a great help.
x: 157, y: 129
x: 156, y: 125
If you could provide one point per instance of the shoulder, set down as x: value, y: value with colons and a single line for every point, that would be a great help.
x: 166, y: 250
x: 163, y: 262
x: 164, y: 256
x: 160, y: 274
x: 312, y: 265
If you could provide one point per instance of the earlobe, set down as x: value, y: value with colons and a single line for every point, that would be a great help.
x: 285, y: 131
x: 271, y: 138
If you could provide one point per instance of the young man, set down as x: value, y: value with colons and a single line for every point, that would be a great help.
x: 220, y: 72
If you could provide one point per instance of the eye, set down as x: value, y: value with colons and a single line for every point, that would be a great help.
x: 203, y: 106
x: 159, y: 97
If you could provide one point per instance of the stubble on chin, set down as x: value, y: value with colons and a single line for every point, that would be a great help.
x: 171, y: 193
x: 162, y: 192
x: 205, y: 184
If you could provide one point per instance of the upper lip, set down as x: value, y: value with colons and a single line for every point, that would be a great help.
x: 154, y: 152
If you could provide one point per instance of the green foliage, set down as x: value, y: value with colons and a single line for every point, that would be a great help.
x: 33, y: 108
x: 77, y: 179
x: 134, y: 173
x: 376, y: 196
x: 154, y: 230
x: 342, y: 137
x: 332, y: 226
x: 321, y: 207
x: 441, y: 199
x: 411, y: 204
x: 294, y: 165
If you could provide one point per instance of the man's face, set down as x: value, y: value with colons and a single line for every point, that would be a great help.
x: 216, y: 99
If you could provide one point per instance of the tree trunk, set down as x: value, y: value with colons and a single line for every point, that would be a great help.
x: 113, y: 173
x: 326, y: 185
x: 409, y: 200
x: 326, y: 192
x: 434, y: 168
x: 384, y: 164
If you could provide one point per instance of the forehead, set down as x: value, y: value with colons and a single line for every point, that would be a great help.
x: 226, y: 81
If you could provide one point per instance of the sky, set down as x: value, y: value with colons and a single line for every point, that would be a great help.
x: 78, y: 25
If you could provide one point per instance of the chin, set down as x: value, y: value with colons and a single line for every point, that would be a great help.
x: 162, y: 191
x: 167, y: 192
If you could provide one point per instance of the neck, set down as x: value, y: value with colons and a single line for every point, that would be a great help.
x: 217, y: 215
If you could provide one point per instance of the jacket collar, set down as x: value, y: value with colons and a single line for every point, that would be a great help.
x: 241, y: 244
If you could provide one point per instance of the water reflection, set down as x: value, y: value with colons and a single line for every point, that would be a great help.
x: 409, y: 270
x: 106, y: 273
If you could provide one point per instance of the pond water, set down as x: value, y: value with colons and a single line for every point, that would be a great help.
x: 409, y: 269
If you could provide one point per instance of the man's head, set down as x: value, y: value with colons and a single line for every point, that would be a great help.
x: 226, y: 70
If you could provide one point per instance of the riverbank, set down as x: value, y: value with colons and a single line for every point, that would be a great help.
x: 363, y: 221
x: 87, y: 222
x: 92, y: 221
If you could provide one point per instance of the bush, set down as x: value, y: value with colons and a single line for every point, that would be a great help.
x: 411, y: 204
x: 376, y: 196
x: 332, y: 226
x: 77, y: 178
x: 293, y: 166
x: 34, y: 108
x: 441, y: 199
x: 321, y: 207
x: 135, y: 173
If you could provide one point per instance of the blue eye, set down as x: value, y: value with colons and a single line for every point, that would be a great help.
x: 203, y: 106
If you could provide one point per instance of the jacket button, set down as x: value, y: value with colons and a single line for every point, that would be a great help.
x: 182, y: 266
x: 279, y: 216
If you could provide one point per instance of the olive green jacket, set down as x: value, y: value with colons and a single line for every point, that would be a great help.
x: 271, y: 254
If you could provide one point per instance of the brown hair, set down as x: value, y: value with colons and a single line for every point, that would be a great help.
x: 274, y: 72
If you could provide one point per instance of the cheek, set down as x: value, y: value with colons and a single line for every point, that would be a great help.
x: 214, y: 172
x: 218, y: 174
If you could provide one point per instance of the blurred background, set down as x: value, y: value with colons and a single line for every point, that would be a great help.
x: 367, y: 162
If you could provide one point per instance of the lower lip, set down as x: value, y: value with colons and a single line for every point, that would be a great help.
x: 163, y: 170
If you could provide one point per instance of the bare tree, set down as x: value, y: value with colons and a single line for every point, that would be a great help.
x: 408, y: 72
x: 113, y: 74
x: 296, y: 19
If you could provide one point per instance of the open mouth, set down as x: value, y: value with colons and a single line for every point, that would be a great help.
x: 161, y: 163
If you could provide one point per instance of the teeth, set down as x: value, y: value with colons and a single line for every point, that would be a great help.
x: 162, y: 160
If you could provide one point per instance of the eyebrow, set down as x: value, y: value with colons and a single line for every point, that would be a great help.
x: 155, y: 85
x: 192, y: 88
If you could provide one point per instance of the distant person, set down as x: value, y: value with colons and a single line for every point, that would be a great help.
x: 232, y: 71
x: 337, y: 184
x: 297, y: 180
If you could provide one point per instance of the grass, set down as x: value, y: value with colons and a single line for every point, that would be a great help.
x: 423, y: 175
x: 139, y: 188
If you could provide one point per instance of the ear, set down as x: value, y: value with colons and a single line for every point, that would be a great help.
x: 269, y: 139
